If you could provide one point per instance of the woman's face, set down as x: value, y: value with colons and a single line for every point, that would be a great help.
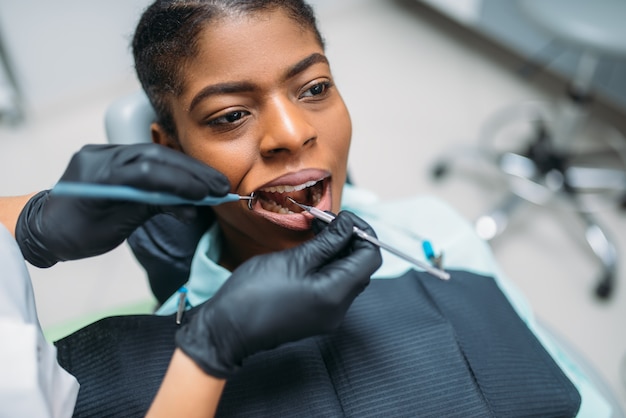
x: 260, y: 105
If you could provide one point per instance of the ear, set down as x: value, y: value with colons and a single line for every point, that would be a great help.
x: 159, y: 136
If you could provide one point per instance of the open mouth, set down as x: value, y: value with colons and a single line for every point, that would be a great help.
x: 274, y: 198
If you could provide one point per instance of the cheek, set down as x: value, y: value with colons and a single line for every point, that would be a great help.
x: 341, y: 130
x: 232, y: 158
x: 338, y: 135
x: 333, y: 123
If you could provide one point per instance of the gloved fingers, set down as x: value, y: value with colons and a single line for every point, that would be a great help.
x: 324, y: 247
x: 349, y: 273
x: 158, y: 177
x: 157, y: 168
x: 317, y: 226
x: 199, y: 217
x: 146, y: 166
x: 337, y: 255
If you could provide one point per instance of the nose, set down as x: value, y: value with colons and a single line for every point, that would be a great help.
x: 286, y: 128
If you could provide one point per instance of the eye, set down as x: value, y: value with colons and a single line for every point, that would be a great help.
x: 318, y: 89
x: 228, y: 118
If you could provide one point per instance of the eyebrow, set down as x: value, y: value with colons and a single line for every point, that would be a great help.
x: 222, y: 88
x: 242, y: 87
x: 299, y: 67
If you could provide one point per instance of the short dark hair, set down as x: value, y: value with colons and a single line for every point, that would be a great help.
x: 166, y: 37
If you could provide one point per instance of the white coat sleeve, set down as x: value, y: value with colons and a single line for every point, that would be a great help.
x: 32, y: 384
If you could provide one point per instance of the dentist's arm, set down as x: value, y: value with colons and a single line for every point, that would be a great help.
x: 10, y: 208
x: 268, y: 301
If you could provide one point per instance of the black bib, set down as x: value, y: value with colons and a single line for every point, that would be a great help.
x: 409, y: 346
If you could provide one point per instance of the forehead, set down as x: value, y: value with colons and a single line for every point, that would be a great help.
x: 247, y: 47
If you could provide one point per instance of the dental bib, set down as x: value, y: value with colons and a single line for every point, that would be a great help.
x: 409, y: 346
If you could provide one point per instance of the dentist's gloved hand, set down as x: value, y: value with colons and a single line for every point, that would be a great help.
x: 56, y: 228
x: 281, y: 297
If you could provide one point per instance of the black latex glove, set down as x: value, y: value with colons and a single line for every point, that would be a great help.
x: 55, y: 228
x: 164, y: 246
x: 281, y: 297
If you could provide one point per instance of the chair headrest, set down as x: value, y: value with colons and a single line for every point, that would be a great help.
x: 128, y: 119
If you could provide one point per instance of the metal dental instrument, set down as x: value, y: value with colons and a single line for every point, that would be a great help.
x: 119, y: 192
x: 327, y: 217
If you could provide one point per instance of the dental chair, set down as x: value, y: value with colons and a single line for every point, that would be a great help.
x: 127, y: 121
x: 548, y: 165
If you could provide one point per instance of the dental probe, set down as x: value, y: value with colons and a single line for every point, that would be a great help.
x: 119, y: 192
x: 327, y: 217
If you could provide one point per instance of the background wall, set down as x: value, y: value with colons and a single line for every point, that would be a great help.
x: 65, y: 48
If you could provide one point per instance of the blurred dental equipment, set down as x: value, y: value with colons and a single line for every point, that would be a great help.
x: 119, y: 192
x: 327, y: 217
x: 182, y: 304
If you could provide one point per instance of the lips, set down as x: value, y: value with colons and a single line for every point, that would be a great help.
x: 311, y: 187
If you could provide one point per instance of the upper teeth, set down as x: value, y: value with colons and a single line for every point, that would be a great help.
x: 286, y: 189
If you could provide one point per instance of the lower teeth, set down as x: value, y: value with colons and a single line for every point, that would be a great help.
x: 272, y: 206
